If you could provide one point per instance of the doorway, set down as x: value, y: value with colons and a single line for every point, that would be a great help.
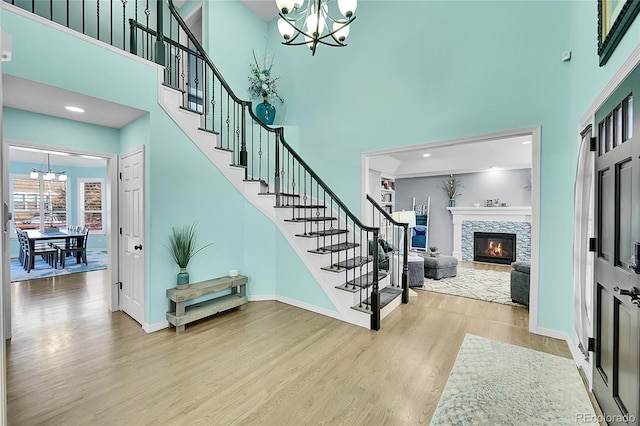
x: 85, y: 197
x: 462, y: 160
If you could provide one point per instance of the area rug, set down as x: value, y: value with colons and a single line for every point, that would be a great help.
x: 497, y: 383
x: 96, y: 260
x: 492, y: 286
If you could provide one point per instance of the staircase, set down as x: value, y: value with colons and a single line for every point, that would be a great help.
x: 331, y: 241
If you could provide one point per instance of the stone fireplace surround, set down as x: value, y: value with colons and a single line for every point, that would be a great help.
x: 467, y: 220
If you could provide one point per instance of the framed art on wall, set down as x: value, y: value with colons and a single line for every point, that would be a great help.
x: 614, y: 19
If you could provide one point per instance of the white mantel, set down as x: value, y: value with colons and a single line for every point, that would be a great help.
x: 498, y: 214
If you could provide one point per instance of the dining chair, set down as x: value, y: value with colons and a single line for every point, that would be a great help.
x: 48, y: 253
x: 79, y: 250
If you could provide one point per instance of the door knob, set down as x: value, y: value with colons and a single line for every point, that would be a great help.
x: 635, y: 260
x: 633, y: 293
x: 138, y: 247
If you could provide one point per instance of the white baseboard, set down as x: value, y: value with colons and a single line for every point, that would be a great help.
x: 260, y: 297
x: 297, y: 304
x: 576, y: 354
x: 150, y: 328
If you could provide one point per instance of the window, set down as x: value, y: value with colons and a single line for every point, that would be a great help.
x: 38, y: 203
x: 91, y: 204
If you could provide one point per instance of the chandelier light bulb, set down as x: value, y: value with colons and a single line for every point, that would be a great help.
x: 347, y: 7
x: 286, y: 30
x: 285, y: 6
x: 62, y: 178
x: 341, y: 31
x: 33, y: 174
x: 49, y: 176
x: 315, y: 24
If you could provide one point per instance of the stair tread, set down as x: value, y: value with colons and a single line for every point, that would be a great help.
x: 387, y: 295
x: 262, y: 181
x: 347, y: 264
x: 240, y: 166
x: 213, y: 132
x: 334, y: 248
x: 301, y: 206
x: 174, y: 88
x: 286, y: 194
x: 310, y: 219
x: 323, y: 233
x: 223, y: 149
x: 361, y: 282
x: 191, y: 110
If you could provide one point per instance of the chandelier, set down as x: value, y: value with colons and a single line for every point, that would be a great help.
x: 310, y: 20
x: 48, y: 175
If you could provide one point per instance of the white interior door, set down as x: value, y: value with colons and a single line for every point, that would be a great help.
x: 132, y: 234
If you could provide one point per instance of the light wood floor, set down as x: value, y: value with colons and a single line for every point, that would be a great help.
x: 70, y: 362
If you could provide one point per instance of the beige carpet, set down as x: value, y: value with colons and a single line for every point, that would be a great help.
x: 488, y: 285
x: 494, y: 383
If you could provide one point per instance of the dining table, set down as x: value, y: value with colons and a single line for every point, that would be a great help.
x: 63, y: 234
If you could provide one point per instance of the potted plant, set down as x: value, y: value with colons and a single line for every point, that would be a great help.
x: 452, y: 188
x: 433, y: 251
x: 182, y: 247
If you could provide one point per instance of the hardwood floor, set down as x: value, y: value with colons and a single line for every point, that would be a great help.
x: 71, y: 362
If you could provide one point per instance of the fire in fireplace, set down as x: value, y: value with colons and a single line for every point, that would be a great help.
x: 494, y: 247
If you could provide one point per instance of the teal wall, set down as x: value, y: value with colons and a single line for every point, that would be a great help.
x: 182, y: 186
x: 232, y: 31
x: 450, y: 70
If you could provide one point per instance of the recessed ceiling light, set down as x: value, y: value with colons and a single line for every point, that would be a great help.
x: 426, y: 155
x: 526, y: 143
x: 73, y: 108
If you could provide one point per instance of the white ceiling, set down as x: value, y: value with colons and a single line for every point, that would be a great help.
x: 266, y: 9
x: 28, y: 95
x: 505, y: 153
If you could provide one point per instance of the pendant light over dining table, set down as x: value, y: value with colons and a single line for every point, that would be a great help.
x: 309, y: 22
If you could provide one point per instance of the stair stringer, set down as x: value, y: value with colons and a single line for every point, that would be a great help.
x: 170, y: 101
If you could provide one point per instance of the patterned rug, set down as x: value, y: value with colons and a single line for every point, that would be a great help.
x: 491, y: 286
x: 95, y: 259
x: 497, y: 383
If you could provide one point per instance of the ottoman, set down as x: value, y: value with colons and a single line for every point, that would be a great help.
x: 520, y: 282
x: 416, y: 271
x: 440, y: 267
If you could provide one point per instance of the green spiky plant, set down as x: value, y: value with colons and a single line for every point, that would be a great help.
x: 182, y: 244
x: 433, y: 249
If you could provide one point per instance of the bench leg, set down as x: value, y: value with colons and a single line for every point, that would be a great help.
x: 180, y: 313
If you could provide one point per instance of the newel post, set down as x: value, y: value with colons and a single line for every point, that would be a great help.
x: 159, y: 46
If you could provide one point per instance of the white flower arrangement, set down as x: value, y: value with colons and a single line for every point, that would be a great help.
x: 261, y: 83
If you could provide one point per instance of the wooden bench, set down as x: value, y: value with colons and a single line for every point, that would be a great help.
x: 179, y: 314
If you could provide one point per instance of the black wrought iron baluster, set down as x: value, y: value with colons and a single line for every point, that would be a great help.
x: 124, y: 20
x: 111, y: 22
x: 83, y: 20
x: 147, y: 12
x: 33, y: 6
x: 253, y: 153
x: 97, y: 19
x: 236, y: 133
x: 268, y: 173
x: 228, y: 121
x: 375, y: 294
x: 213, y: 102
x: 205, y: 94
x: 260, y: 154
x: 276, y: 170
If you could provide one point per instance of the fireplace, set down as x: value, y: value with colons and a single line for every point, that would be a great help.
x: 494, y: 247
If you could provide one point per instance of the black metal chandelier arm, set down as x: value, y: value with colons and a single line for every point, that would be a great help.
x: 315, y: 40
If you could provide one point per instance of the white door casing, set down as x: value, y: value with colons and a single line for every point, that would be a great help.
x: 132, y: 234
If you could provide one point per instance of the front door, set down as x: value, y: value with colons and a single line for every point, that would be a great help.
x: 616, y: 377
x: 132, y: 234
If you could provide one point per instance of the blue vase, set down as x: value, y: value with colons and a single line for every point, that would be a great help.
x: 183, y: 279
x: 266, y: 113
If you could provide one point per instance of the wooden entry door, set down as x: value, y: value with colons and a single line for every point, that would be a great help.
x: 616, y: 365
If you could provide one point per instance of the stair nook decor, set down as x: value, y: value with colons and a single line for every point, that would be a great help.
x: 326, y: 235
x: 263, y: 84
x: 182, y: 247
